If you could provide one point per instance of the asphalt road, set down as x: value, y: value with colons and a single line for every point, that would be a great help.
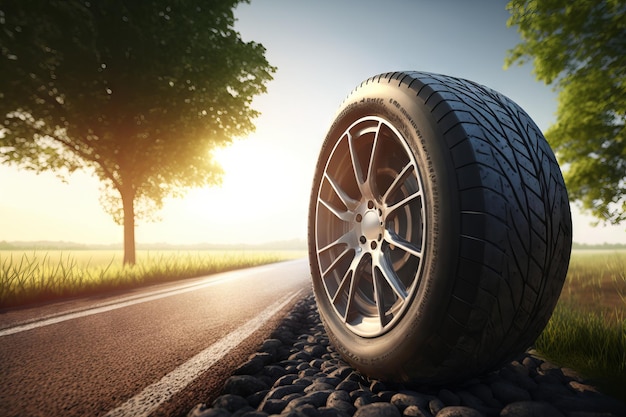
x: 155, y: 351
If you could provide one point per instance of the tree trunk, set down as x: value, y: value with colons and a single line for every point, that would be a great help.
x: 128, y: 204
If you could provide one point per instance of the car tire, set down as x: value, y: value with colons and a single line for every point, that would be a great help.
x: 439, y: 229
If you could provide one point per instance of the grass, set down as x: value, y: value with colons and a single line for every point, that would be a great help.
x: 30, y: 277
x: 587, y: 331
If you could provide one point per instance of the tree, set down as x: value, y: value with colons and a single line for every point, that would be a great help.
x: 139, y: 91
x: 580, y: 48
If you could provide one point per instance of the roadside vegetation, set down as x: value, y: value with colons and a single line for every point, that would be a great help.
x: 36, y: 276
x: 587, y: 331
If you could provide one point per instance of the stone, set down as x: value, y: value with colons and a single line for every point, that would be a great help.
x: 306, y: 381
x: 385, y: 396
x: 252, y: 366
x: 303, y: 365
x: 469, y: 400
x: 415, y: 411
x: 403, y: 400
x: 255, y: 399
x: 254, y: 413
x: 316, y: 399
x: 243, y: 410
x: 571, y: 374
x: 348, y: 386
x: 508, y: 393
x: 343, y: 406
x: 301, y: 355
x: 273, y: 406
x: 317, y: 363
x: 378, y: 410
x: 484, y: 394
x: 316, y: 351
x: 582, y: 388
x: 243, y: 385
x: 550, y: 392
x: 274, y: 371
x: 448, y: 397
x: 329, y: 380
x: 459, y: 411
x: 318, y: 386
x: 531, y: 363
x: 342, y: 372
x: 435, y: 405
x: 337, y: 396
x: 230, y: 402
x: 361, y: 397
x: 285, y: 380
x: 283, y: 391
x: 308, y: 372
x: 377, y: 386
x: 201, y: 410
x: 305, y: 410
x: 331, y: 412
x: 270, y: 345
x: 530, y: 408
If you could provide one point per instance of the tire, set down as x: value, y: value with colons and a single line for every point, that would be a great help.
x: 439, y: 229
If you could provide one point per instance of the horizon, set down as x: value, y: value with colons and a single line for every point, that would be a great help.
x: 299, y: 244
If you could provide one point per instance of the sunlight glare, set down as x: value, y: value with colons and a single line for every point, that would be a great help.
x: 260, y: 187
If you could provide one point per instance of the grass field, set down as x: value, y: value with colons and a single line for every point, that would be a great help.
x: 28, y: 277
x: 587, y: 331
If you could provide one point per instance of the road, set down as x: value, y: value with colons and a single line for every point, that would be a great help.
x: 155, y: 351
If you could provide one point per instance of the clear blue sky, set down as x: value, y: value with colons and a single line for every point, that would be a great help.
x: 322, y: 49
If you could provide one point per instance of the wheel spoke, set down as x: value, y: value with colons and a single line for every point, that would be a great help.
x: 356, y: 165
x: 392, y: 279
x: 378, y: 296
x: 404, y: 201
x: 353, y: 284
x: 343, y: 215
x: 341, y: 240
x: 393, y: 239
x: 347, y: 201
x: 336, y: 261
x: 399, y: 180
x: 371, y: 169
x: 342, y: 284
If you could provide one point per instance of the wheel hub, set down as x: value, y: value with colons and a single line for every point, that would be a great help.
x: 371, y: 225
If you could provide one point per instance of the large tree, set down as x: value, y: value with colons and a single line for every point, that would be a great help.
x: 580, y: 48
x: 140, y: 92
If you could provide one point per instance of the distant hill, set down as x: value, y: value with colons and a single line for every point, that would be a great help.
x: 605, y: 246
x: 295, y: 244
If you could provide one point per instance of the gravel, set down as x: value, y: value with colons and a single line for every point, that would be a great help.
x: 297, y: 373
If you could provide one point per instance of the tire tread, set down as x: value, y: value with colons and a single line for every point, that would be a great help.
x: 509, y: 177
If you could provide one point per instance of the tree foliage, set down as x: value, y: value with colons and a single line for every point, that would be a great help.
x: 139, y: 91
x: 580, y: 48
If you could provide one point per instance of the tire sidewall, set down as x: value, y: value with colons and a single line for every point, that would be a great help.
x: 410, y: 345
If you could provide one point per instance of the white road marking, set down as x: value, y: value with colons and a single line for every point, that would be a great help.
x: 118, y: 303
x: 147, y: 401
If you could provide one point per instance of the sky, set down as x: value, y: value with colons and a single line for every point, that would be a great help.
x: 322, y: 50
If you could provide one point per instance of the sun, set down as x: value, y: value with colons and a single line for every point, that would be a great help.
x: 262, y: 198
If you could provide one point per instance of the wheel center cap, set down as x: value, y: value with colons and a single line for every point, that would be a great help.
x: 371, y: 225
